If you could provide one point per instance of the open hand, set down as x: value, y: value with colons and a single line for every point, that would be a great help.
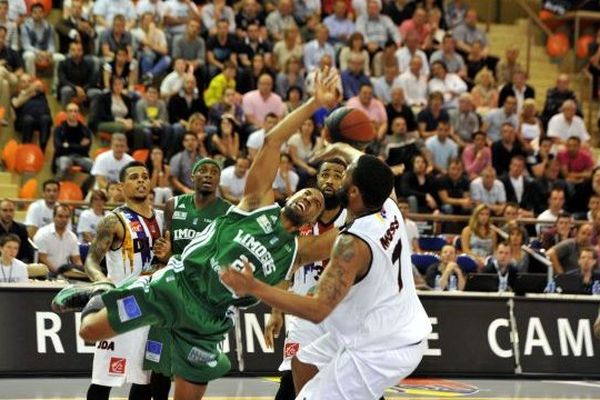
x: 327, y: 92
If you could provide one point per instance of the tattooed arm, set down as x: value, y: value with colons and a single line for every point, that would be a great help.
x: 350, y: 260
x: 109, y: 231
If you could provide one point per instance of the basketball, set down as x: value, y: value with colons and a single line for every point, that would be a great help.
x: 351, y: 126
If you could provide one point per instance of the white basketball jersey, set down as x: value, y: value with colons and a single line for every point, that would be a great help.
x: 135, y: 254
x: 307, y: 276
x: 382, y: 310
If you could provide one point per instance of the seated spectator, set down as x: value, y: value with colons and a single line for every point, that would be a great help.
x: 182, y: 163
x: 417, y: 25
x: 90, y: 217
x: 107, y: 166
x: 217, y: 86
x: 450, y: 85
x: 438, y: 274
x: 182, y: 105
x: 453, y: 190
x: 196, y: 124
x: 593, y: 205
x: 355, y: 45
x: 301, y: 146
x: 501, y: 263
x: 398, y: 108
x: 376, y: 28
x: 339, y: 24
x: 290, y: 76
x: 120, y: 67
x: 495, y: 119
x: 436, y: 36
x: 227, y: 105
x: 412, y: 231
x: 576, y: 164
x: 257, y: 138
x: 115, y: 194
x: 309, y: 81
x: 566, y: 124
x: 233, y: 180
x: 411, y: 49
x: 12, y: 30
x: 252, y: 43
x: 519, y: 89
x: 215, y: 11
x: 190, y: 47
x: 293, y: 99
x: 400, y: 146
x: 451, y: 59
x: 226, y: 142
x: 221, y: 47
x: 478, y: 239
x: 115, y: 114
x: 151, y: 114
x: 286, y: 180
x: 56, y: 243
x: 414, y: 84
x: 467, y: 33
x: 11, y: 68
x: 399, y: 10
x: 476, y: 60
x: 382, y: 86
x: 8, y: 225
x: 288, y: 46
x: 540, y: 158
x: 463, y: 120
x: 106, y: 11
x: 315, y: 49
x: 156, y: 8
x: 455, y: 13
x: 477, y: 155
x: 258, y: 103
x: 417, y: 185
x: 354, y: 77
x: 32, y: 111
x: 544, y: 184
x: 178, y: 14
x: 556, y: 97
x: 76, y: 27
x: 584, y: 190
x: 506, y: 148
x: 115, y: 38
x: 371, y: 106
x: 72, y: 142
x: 519, y: 188
x: 153, y: 50
x: 429, y: 117
x: 511, y: 220
x: 159, y: 172
x: 13, y: 269
x: 247, y: 78
x: 17, y: 11
x: 565, y: 255
x: 280, y: 19
x: 37, y: 43
x: 173, y: 82
x: 485, y: 93
x: 586, y: 270
x: 441, y: 148
x: 530, y: 126
x: 77, y: 78
x: 508, y: 66
x: 516, y: 241
x: 251, y: 13
x: 488, y: 190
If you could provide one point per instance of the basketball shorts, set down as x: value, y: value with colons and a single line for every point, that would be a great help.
x: 162, y: 299
x: 299, y: 333
x: 350, y: 374
x: 157, y: 356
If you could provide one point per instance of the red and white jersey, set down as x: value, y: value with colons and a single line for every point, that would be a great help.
x: 381, y: 310
x: 306, y: 277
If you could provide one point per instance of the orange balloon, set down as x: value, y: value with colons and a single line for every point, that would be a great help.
x: 548, y: 17
x: 9, y: 154
x: 557, y: 45
x: 30, y: 158
x: 46, y: 3
x: 69, y: 191
x: 582, y: 45
x: 29, y: 189
x: 141, y: 155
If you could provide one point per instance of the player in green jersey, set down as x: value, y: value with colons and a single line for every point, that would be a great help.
x: 187, y: 296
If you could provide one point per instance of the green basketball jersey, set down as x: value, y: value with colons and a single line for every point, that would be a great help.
x: 258, y: 235
x: 188, y: 221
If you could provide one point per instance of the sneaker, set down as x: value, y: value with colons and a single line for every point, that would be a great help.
x: 75, y: 297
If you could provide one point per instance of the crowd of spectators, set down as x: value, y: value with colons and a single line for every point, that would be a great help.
x: 185, y: 80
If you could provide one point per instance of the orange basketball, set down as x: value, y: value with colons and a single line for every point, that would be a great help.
x: 583, y: 45
x: 69, y: 191
x: 9, y: 154
x: 30, y: 159
x: 29, y: 189
x: 350, y: 125
x: 557, y: 45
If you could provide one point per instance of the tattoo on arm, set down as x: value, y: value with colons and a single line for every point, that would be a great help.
x: 169, y: 208
x: 105, y: 233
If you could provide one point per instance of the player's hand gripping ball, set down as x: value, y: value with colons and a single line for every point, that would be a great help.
x: 349, y: 125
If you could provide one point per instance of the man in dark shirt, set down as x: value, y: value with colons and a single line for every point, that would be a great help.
x: 518, y: 187
x: 453, y: 190
x: 72, y: 141
x: 253, y: 44
x: 75, y: 28
x: 9, y: 225
x: 397, y: 108
x: 505, y: 149
x: 11, y: 67
x: 556, y: 96
x: 77, y: 77
x: 399, y: 10
x: 586, y: 273
x: 33, y: 111
x: 220, y: 48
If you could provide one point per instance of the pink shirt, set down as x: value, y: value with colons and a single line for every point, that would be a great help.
x: 474, y: 166
x: 375, y: 110
x: 254, y: 104
x: 409, y: 25
x: 583, y: 161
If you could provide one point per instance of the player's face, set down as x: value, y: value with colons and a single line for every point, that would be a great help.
x: 136, y: 184
x: 304, y: 206
x: 207, y: 178
x: 329, y: 181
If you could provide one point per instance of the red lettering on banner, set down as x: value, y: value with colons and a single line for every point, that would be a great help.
x: 290, y: 350
x: 117, y: 366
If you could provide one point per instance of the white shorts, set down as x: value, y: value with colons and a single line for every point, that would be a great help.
x: 298, y: 334
x: 351, y: 374
x: 119, y: 360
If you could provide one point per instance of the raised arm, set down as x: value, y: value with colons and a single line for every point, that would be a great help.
x: 109, y: 229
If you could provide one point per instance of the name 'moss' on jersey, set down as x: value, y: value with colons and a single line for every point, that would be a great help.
x: 135, y: 254
x: 382, y: 310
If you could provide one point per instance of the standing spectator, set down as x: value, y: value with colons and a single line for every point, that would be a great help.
x: 214, y: 12
x: 32, y: 111
x: 442, y: 148
x: 411, y: 49
x: 477, y: 155
x: 502, y: 263
x: 467, y: 33
x: 495, y: 119
x: 177, y: 15
x: 438, y: 274
x: 464, y: 120
x: 355, y: 45
x: 377, y: 28
x: 576, y: 164
x: 57, y: 244
x: 301, y: 146
x: 233, y: 180
x: 90, y: 217
x: 561, y: 230
x: 566, y: 124
x: 11, y: 68
x: 107, y: 166
x: 565, y: 255
x: 340, y: 26
x: 72, y: 142
x: 518, y: 187
x: 485, y: 94
x: 506, y: 68
x: 518, y: 88
x: 159, y: 172
x: 488, y: 190
x: 39, y: 213
x: 278, y: 20
x: 556, y: 202
x: 417, y: 186
x: 77, y: 77
x: 453, y: 190
x: 371, y: 106
x: 13, y: 269
x: 449, y: 84
x: 286, y: 180
x: 289, y: 46
x: 75, y: 27
x: 258, y: 103
x: 153, y: 51
x: 8, y: 225
x: 221, y: 47
x: 190, y: 47
x: 478, y: 239
x: 182, y: 164
x: 397, y: 108
x: 316, y: 48
x: 556, y: 97
x: 37, y: 42
x: 414, y: 83
x: 430, y: 117
x: 448, y: 55
x: 114, y: 38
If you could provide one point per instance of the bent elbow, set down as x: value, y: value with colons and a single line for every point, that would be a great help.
x: 320, y: 314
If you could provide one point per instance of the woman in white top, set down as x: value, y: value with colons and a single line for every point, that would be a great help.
x: 11, y: 269
x: 356, y: 44
x: 301, y: 146
x: 89, y: 219
x: 530, y: 126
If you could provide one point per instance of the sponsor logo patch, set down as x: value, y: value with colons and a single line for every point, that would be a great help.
x: 264, y: 223
x: 128, y: 309
x: 117, y: 366
x: 153, y: 350
x: 199, y: 356
x: 290, y: 349
x: 180, y: 214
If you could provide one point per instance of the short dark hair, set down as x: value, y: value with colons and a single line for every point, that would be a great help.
x: 188, y: 133
x: 366, y: 84
x: 374, y: 180
x: 591, y: 250
x: 292, y: 89
x: 37, y: 5
x: 334, y: 160
x: 50, y: 182
x: 9, y: 237
x: 440, y: 63
x: 478, y: 133
x: 131, y: 164
x: 576, y: 138
x: 271, y: 115
x: 59, y: 206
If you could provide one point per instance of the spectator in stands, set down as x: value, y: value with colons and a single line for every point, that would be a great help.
x: 227, y: 105
x: 436, y: 36
x: 371, y: 106
x: 114, y: 38
x: 494, y: 120
x: 339, y: 24
x: 291, y: 75
x: 177, y: 15
x: 584, y: 190
x: 463, y: 120
x: 443, y: 269
x: 453, y: 190
x: 566, y: 124
x: 173, y: 82
x: 414, y: 83
x: 182, y: 105
x: 279, y: 19
x: 398, y: 108
x: 586, y: 271
x: 301, y: 146
x: 556, y: 201
x: 221, y: 47
x: 506, y: 148
x: 32, y: 110
x: 451, y: 59
x: 181, y: 164
x: 13, y: 269
x: 477, y: 155
x: 247, y: 79
x: 316, y: 48
x: 293, y: 99
x: 151, y: 114
x: 286, y: 180
x: 289, y: 46
x: 8, y: 225
x: 418, y: 26
x: 233, y: 180
x: 467, y: 33
x: 250, y: 14
x: 72, y: 142
x: 258, y: 103
x: 565, y: 255
x: 478, y: 239
x: 377, y: 28
x: 544, y: 184
x: 115, y: 194
x: 441, y: 148
x: 455, y: 13
x: 501, y: 263
x: 354, y: 77
x: 382, y: 85
x: 11, y: 68
x: 556, y: 97
x: 159, y: 172
x: 156, y: 8
x: 217, y: 86
x: 412, y: 231
x: 253, y: 43
x: 530, y: 126
x: 519, y: 89
x: 190, y: 47
x: 196, y: 124
x: 106, y: 12
x: 511, y: 219
x: 257, y: 138
x: 485, y: 93
x: 57, y: 244
x: 108, y: 165
x: 12, y: 30
x: 123, y: 69
x: 399, y: 10
x: 429, y: 117
x: 355, y: 45
x: 90, y: 217
x: 519, y: 188
x: 476, y: 60
x: 411, y: 49
x: 593, y: 205
x: 37, y: 42
x: 561, y: 230
x: 488, y: 190
x: 214, y: 12
x: 508, y: 66
x: 17, y: 11
x: 153, y: 51
x: 75, y: 27
x: 537, y: 161
x: 576, y: 164
x: 400, y: 146
x: 418, y: 185
x: 226, y: 142
x: 77, y: 78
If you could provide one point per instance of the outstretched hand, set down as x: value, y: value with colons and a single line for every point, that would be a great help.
x: 240, y: 282
x: 327, y: 83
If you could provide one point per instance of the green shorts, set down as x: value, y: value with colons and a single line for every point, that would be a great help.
x: 157, y: 356
x: 196, y: 330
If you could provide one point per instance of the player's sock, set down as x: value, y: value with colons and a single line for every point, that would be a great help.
x: 98, y: 392
x: 286, y: 387
x: 140, y: 392
x: 160, y: 386
x: 75, y: 297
